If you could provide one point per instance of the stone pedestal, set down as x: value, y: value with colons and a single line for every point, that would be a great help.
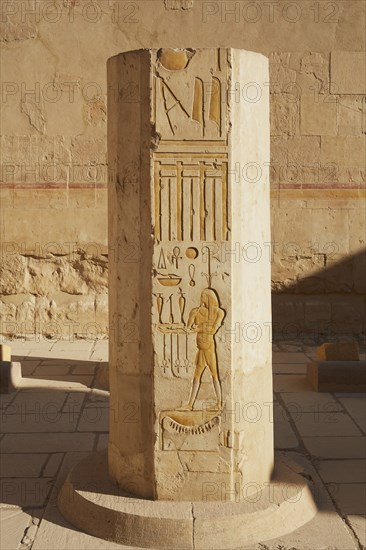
x: 10, y: 371
x: 190, y: 304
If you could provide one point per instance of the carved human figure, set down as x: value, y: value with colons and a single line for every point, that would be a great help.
x: 205, y: 320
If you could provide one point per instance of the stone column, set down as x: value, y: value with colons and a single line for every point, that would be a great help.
x: 190, y: 304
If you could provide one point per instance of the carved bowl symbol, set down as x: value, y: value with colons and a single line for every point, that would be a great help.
x: 169, y: 281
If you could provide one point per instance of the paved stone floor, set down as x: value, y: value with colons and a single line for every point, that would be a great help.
x: 59, y: 415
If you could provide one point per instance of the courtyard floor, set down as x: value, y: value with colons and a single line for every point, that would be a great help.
x: 58, y: 416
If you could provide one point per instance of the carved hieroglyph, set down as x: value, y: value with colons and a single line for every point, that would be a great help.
x: 191, y: 207
x: 189, y: 371
x: 178, y: 4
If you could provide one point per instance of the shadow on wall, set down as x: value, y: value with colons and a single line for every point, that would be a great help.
x: 328, y: 303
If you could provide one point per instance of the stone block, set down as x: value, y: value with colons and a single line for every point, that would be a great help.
x: 337, y: 376
x: 347, y: 72
x: 10, y: 376
x: 351, y: 115
x: 347, y: 152
x: 340, y: 351
x: 5, y: 352
x: 318, y: 115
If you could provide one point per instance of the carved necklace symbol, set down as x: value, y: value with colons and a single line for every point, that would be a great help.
x: 191, y: 272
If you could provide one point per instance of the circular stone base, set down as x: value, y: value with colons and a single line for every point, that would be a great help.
x: 90, y: 501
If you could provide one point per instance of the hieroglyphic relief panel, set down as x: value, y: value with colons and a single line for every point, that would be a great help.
x: 191, y: 215
x: 191, y: 197
x: 190, y: 92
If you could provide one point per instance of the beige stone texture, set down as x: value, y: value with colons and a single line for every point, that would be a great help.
x: 187, y: 525
x: 183, y: 194
x: 14, y: 522
x: 54, y: 168
x: 351, y: 115
x: 348, y: 152
x: 348, y: 74
x: 318, y: 115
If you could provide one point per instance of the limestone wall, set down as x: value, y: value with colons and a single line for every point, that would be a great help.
x: 54, y: 261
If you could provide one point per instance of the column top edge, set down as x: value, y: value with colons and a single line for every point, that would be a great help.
x: 188, y: 49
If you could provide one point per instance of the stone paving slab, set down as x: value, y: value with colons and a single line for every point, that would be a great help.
x: 356, y: 406
x: 289, y: 368
x: 327, y: 531
x: 311, y: 401
x: 102, y: 442
x: 343, y: 471
x: 34, y: 400
x: 56, y: 383
x: 52, y: 368
x: 349, y: 497
x: 29, y: 366
x: 48, y: 442
x: 86, y: 368
x: 14, y: 465
x: 70, y: 379
x: 25, y: 492
x: 6, y: 399
x: 94, y: 419
x: 48, y: 420
x: 336, y: 447
x: 290, y: 383
x: 289, y: 357
x: 334, y: 424
x: 324, y: 532
x: 74, y: 402
x: 53, y: 465
x: 284, y: 435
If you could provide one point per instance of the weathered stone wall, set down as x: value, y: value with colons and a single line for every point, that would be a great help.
x: 54, y: 170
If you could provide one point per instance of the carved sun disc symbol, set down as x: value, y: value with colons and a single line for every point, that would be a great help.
x: 173, y: 60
